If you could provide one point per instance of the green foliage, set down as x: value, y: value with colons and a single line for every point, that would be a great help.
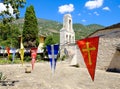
x: 5, y: 61
x: 9, y: 35
x: 17, y: 61
x: 94, y: 26
x: 27, y: 58
x: 63, y: 57
x: 30, y: 28
x: 38, y: 57
x: 46, y: 27
x: 10, y: 57
x: 2, y: 77
x: 15, y: 4
x: 49, y: 40
x: 56, y: 37
x: 79, y: 27
x: 82, y: 31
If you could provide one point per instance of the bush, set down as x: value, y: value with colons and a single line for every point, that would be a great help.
x: 38, y: 57
x: 17, y: 61
x: 5, y: 61
x: 63, y: 57
x: 27, y: 58
x: 10, y: 57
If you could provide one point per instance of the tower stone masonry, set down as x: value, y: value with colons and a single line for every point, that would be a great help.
x: 67, y: 37
x: 67, y: 34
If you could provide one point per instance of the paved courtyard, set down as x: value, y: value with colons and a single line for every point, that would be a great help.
x: 65, y: 77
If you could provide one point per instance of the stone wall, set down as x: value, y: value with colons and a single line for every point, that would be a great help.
x: 70, y: 51
x: 115, y: 62
x: 108, y: 57
x: 108, y: 42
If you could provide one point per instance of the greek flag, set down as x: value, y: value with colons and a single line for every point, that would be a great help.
x: 13, y: 56
x: 53, y: 51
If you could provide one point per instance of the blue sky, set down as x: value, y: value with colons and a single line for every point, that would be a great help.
x: 103, y: 12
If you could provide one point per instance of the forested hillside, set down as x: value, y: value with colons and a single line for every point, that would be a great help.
x: 81, y: 31
x: 48, y: 27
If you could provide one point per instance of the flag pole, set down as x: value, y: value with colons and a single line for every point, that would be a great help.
x: 53, y: 59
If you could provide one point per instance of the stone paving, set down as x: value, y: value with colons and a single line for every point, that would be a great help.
x: 65, y: 77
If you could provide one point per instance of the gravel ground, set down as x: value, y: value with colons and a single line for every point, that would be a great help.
x: 65, y: 77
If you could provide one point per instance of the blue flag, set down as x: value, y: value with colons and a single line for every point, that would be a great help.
x: 13, y: 56
x: 53, y: 51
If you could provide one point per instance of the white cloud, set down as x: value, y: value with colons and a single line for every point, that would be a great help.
x: 106, y: 8
x: 66, y: 8
x: 96, y: 13
x: 83, y: 20
x: 92, y: 4
x: 2, y: 8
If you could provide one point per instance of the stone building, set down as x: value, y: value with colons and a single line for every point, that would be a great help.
x: 109, y: 48
x: 67, y: 36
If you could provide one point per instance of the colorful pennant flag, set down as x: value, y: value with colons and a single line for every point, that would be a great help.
x: 53, y: 51
x: 13, y: 56
x: 22, y: 55
x: 33, y: 56
x: 8, y: 51
x: 21, y: 51
x: 89, y: 49
x: 21, y: 44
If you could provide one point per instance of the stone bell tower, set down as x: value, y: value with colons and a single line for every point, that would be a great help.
x: 67, y: 35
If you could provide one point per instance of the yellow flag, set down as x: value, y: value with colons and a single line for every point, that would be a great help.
x: 22, y: 55
x: 21, y: 51
x: 21, y: 44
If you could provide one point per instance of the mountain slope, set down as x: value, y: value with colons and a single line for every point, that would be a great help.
x: 49, y: 27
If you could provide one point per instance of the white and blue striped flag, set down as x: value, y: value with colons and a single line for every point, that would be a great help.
x: 13, y: 52
x: 53, y: 51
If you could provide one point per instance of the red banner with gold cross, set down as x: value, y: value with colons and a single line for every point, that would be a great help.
x: 89, y: 49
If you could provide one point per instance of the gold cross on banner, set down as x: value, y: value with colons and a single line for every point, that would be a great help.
x: 88, y: 49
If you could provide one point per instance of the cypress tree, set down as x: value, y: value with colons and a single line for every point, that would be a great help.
x: 30, y: 28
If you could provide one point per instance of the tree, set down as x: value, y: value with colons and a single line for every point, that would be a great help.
x: 9, y: 32
x: 49, y: 41
x: 30, y: 28
x: 9, y: 35
x: 15, y: 5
